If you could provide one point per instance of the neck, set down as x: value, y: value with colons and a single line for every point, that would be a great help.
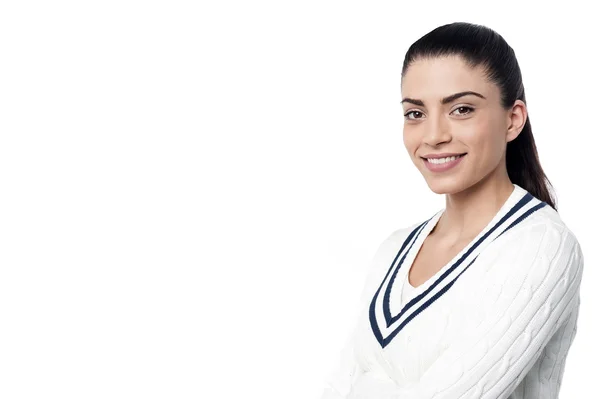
x: 469, y: 211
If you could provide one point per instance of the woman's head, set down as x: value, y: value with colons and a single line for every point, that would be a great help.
x: 462, y: 92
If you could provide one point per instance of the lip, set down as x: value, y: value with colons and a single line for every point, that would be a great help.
x: 443, y: 155
x: 442, y: 167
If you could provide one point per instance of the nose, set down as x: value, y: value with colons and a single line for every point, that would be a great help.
x: 437, y: 131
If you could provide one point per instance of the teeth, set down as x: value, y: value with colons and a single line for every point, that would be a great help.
x: 442, y: 160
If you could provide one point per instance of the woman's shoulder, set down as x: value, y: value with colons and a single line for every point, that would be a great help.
x: 546, y: 218
x: 395, y: 240
x: 542, y: 241
x: 400, y: 234
x: 384, y: 256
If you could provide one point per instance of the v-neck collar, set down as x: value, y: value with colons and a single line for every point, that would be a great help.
x: 384, y: 323
x: 512, y: 199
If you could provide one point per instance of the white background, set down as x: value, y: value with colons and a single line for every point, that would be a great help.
x: 190, y: 193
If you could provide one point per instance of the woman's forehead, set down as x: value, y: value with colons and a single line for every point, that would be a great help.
x: 435, y: 78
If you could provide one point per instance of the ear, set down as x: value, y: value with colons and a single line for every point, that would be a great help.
x: 517, y: 116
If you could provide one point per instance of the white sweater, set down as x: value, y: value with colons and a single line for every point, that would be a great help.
x: 497, y: 321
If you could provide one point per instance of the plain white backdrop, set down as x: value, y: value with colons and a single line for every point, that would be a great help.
x: 191, y: 192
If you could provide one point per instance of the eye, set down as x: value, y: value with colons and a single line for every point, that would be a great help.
x: 463, y: 110
x: 417, y: 114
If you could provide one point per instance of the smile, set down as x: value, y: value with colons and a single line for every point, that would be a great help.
x: 442, y: 164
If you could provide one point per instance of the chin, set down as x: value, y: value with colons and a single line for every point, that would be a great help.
x: 445, y: 186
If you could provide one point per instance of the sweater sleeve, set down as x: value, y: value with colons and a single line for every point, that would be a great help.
x: 531, y: 289
x: 341, y: 379
x: 339, y: 382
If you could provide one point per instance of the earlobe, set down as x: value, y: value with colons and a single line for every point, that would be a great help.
x: 511, y: 135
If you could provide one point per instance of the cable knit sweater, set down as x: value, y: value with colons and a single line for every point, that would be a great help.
x: 495, y: 322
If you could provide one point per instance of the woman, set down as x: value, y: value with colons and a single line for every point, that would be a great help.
x: 481, y: 300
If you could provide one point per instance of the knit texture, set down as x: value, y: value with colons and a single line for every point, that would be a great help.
x: 495, y: 322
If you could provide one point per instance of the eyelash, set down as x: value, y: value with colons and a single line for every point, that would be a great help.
x: 471, y: 109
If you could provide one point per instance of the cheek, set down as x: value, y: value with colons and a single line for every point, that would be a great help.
x: 477, y: 133
x: 410, y: 140
x: 485, y: 140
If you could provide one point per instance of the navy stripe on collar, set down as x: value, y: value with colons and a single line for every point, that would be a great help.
x: 406, y: 246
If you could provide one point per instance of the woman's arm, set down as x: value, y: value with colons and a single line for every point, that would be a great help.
x: 536, y: 272
x: 339, y: 382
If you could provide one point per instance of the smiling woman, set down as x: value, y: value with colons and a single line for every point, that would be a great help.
x: 473, y: 122
x: 481, y: 300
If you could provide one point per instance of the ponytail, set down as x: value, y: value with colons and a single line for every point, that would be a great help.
x: 524, y: 168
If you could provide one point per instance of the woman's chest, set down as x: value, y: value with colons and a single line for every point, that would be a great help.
x: 412, y: 347
x: 431, y: 257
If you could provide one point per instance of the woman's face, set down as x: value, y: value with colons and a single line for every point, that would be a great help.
x: 438, y: 120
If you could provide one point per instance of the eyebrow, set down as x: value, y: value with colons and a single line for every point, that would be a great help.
x: 445, y: 100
